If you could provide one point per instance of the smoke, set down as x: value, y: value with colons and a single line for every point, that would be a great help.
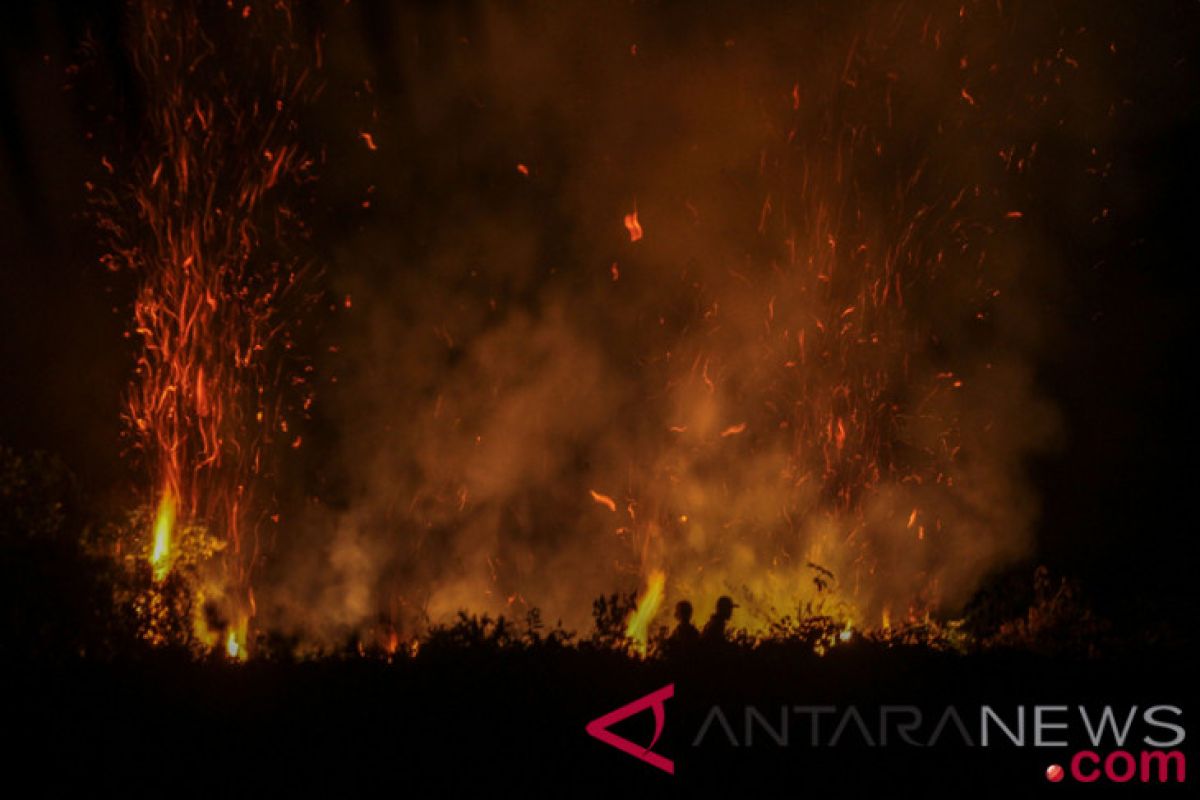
x: 820, y: 352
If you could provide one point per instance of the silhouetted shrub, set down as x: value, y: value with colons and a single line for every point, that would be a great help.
x: 56, y: 596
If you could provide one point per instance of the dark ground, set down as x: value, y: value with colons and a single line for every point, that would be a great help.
x: 504, y: 723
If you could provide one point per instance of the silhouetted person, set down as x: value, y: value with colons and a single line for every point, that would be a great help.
x: 685, y: 634
x: 714, y: 629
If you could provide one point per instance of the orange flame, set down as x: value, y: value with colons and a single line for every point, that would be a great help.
x: 162, y: 555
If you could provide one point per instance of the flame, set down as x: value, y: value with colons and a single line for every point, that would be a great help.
x: 162, y: 556
x: 235, y: 640
x: 638, y: 627
x: 195, y: 218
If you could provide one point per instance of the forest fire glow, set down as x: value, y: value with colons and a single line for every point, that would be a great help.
x: 808, y: 390
x: 390, y: 384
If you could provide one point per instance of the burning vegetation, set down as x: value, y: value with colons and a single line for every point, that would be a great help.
x: 203, y: 216
x: 753, y: 317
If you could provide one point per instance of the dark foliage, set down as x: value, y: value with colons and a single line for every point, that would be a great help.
x: 56, y: 598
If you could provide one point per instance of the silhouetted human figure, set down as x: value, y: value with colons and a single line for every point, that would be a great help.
x: 685, y: 634
x: 714, y: 629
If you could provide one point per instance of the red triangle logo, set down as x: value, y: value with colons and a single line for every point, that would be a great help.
x: 599, y: 728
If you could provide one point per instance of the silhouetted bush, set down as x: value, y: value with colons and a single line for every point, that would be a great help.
x: 1057, y: 621
x: 56, y: 596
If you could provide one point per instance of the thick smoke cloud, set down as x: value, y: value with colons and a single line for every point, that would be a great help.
x: 819, y: 352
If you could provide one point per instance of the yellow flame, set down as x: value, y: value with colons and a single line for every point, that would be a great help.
x: 161, y: 556
x: 647, y: 607
x: 235, y: 641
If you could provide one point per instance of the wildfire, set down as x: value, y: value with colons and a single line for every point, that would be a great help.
x: 797, y: 394
x: 788, y: 397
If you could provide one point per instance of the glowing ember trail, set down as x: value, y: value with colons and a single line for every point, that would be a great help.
x: 604, y: 500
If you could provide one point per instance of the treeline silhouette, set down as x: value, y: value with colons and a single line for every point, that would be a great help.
x: 69, y: 590
x: 501, y: 702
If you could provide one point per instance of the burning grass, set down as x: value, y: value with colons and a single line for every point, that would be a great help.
x: 809, y: 366
x: 117, y: 608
